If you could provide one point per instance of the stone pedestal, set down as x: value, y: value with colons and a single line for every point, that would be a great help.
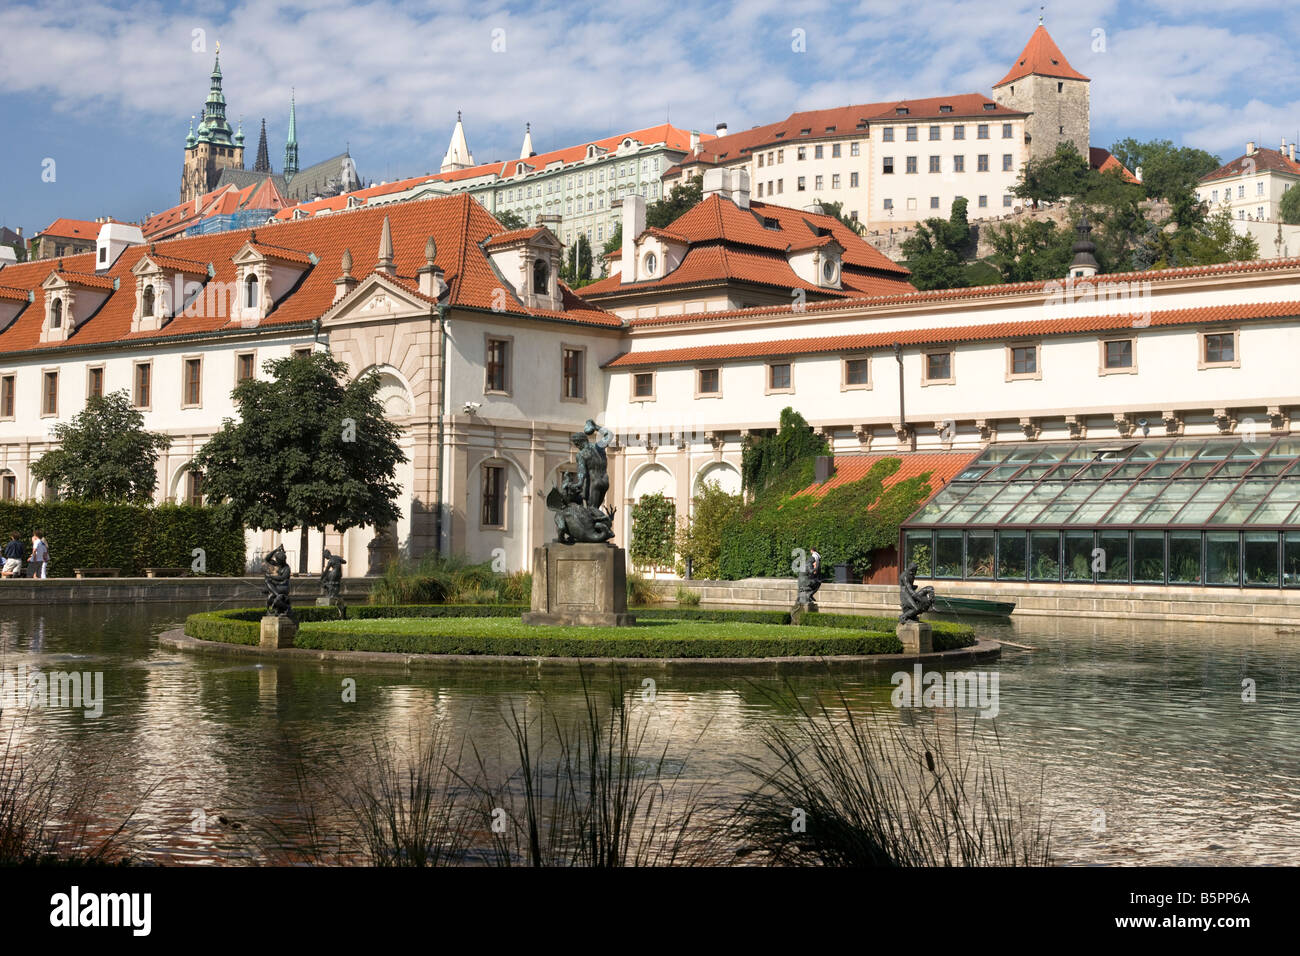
x: 278, y: 631
x: 916, y: 637
x: 579, y: 584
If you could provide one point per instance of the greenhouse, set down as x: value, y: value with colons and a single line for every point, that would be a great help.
x: 1179, y: 511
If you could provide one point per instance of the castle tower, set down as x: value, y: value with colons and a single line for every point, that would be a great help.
x: 458, y: 154
x: 291, y: 144
x: 1042, y: 83
x: 214, y: 146
x: 263, y: 163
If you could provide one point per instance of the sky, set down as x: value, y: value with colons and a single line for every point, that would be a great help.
x: 96, y: 97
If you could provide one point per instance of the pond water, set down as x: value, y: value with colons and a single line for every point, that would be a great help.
x: 1138, y: 732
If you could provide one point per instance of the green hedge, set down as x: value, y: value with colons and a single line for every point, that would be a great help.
x: 128, y: 537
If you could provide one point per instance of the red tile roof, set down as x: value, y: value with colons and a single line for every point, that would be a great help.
x: 225, y: 201
x: 175, y: 264
x: 88, y: 280
x: 71, y: 229
x: 859, y: 341
x: 514, y: 235
x: 1104, y: 161
x: 457, y: 223
x: 942, y: 467
x: 1041, y: 57
x: 1261, y: 160
x: 14, y: 295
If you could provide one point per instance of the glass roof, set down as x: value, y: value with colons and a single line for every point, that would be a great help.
x: 1146, y: 483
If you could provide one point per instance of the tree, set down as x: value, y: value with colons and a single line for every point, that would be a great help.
x: 1064, y: 173
x: 511, y: 220
x: 577, y: 267
x: 934, y: 253
x: 1289, y: 208
x: 1167, y: 170
x: 682, y: 198
x: 700, y: 539
x: 308, y: 451
x: 104, y: 454
x: 1035, y: 249
x: 836, y: 210
x: 1213, y: 241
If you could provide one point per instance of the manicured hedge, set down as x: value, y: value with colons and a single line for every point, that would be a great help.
x: 128, y: 537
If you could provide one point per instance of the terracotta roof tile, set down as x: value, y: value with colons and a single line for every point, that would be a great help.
x: 514, y: 235
x: 88, y: 280
x: 942, y: 467
x: 1041, y: 57
x: 72, y: 229
x: 190, y: 267
x: 1261, y: 160
x: 14, y: 295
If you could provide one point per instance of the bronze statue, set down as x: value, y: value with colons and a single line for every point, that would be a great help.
x: 593, y: 474
x: 277, y: 582
x: 915, y: 601
x: 575, y: 519
x: 331, y: 575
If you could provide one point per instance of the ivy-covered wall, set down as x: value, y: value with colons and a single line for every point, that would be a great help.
x: 654, y: 526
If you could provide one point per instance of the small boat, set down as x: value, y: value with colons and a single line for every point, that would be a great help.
x: 956, y: 605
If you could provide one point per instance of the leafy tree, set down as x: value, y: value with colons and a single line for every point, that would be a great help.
x: 700, y: 540
x: 308, y: 451
x: 1167, y: 170
x: 836, y: 210
x: 510, y: 220
x: 1213, y: 241
x: 104, y: 453
x: 682, y: 198
x: 1289, y: 208
x: 1064, y: 173
x: 577, y: 266
x: 654, y: 519
x: 1035, y: 249
x: 934, y: 252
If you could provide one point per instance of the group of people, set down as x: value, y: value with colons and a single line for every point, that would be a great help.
x: 39, y: 559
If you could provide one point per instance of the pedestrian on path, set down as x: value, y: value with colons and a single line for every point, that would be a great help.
x: 40, y: 554
x: 13, y: 555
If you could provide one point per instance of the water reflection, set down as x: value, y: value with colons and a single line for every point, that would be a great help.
x: 1145, y: 748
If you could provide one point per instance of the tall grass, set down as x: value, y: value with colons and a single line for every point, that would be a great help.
x: 855, y: 790
x: 639, y: 590
x: 454, y: 579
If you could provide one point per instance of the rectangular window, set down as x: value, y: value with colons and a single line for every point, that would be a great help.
x: 959, y: 132
x: 979, y: 555
x: 801, y: 185
x: 192, y: 385
x: 573, y: 362
x: 817, y: 182
x: 494, y: 496
x: 498, y: 355
x: 887, y: 134
x: 853, y: 180
x: 959, y: 164
x: 982, y: 131
x: 710, y: 383
x: 1148, y: 557
x: 95, y: 382
x: 1006, y: 131
x: 835, y: 180
x: 947, y: 554
x: 938, y: 367
x: 1024, y: 360
x: 143, y: 385
x: 1259, y: 188
x: 9, y: 487
x: 643, y: 385
x: 1044, y: 556
x: 1117, y: 354
x: 1078, y: 556
x: 1241, y: 191
x: 887, y: 165
x: 1184, y: 557
x: 817, y: 152
x: 857, y: 373
x: 50, y: 394
x: 1259, y: 558
x: 934, y: 202
x: 1220, y: 348
x: 193, y: 487
x: 911, y: 134
x: 302, y: 351
x: 760, y: 190
x: 243, y: 367
x: 7, y: 384
x: 778, y: 377
x: 889, y: 204
x: 984, y: 202
x: 1011, y: 555
x: 934, y: 164
x: 802, y: 152
x: 1006, y: 202
x: 935, y: 132
x: 911, y: 164
x: 982, y: 163
x: 1223, y: 558
x: 1006, y: 162
x: 760, y: 160
x: 855, y: 149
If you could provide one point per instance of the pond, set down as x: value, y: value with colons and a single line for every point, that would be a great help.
x: 1143, y: 735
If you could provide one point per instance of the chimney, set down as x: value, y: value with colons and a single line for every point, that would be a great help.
x: 1250, y: 147
x: 717, y: 182
x: 633, y: 226
x: 695, y: 141
x: 1290, y: 153
x: 823, y: 465
x: 721, y: 129
x: 1137, y: 173
x: 740, y: 187
x: 113, y: 240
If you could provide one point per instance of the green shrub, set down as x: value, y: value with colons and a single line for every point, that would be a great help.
x: 654, y: 524
x: 687, y: 597
x: 700, y: 539
x: 434, y: 578
x: 640, y: 590
x: 83, y: 534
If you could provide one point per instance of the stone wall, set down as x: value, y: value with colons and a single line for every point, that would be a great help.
x: 219, y: 592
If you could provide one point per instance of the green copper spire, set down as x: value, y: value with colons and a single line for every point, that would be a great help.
x: 213, y: 127
x: 190, y: 141
x: 291, y: 145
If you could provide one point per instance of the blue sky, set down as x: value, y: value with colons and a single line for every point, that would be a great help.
x: 106, y: 90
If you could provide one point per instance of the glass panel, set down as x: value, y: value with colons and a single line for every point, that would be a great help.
x: 1044, y: 556
x: 1163, y: 469
x: 1184, y: 557
x: 1054, y: 453
x: 1034, y: 472
x: 1148, y: 557
x: 1130, y: 470
x: 936, y: 506
x: 1078, y: 556
x: 1218, y: 450
x: 1167, y: 505
x: 972, y: 473
x: 1002, y: 472
x: 1114, y: 551
x: 1281, y: 501
x: 1182, y: 450
x: 1234, y: 469
x: 1082, y: 453
x: 1070, y: 499
x: 1099, y: 504
x: 1022, y: 454
x: 1198, y: 469
x: 993, y: 454
x: 1098, y: 469
x: 1011, y: 555
x: 1222, y: 557
x: 996, y: 508
x: 1259, y: 558
x: 947, y: 554
x: 1043, y: 493
x: 979, y: 554
x: 1209, y: 498
x: 1148, y: 451
x: 1243, y: 501
x: 1270, y: 466
x: 1067, y: 470
x: 1135, y: 502
x: 979, y: 496
x: 1285, y: 448
x: 916, y: 550
x: 1291, y: 560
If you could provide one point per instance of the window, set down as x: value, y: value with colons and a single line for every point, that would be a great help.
x: 573, y: 362
x: 1117, y: 356
x: 143, y: 384
x: 889, y: 204
x: 801, y: 184
x: 1006, y: 130
x: 959, y: 164
x: 856, y: 373
x: 934, y: 132
x: 911, y: 164
x: 887, y: 134
x: 959, y: 132
x: 1241, y: 191
x: 1006, y: 162
x: 835, y: 180
x: 7, y: 396
x: 494, y: 496
x: 9, y: 487
x: 56, y: 314
x: 911, y: 134
x: 835, y: 150
x: 1022, y: 362
x: 1219, y: 349
x: 95, y: 382
x: 541, y: 277
x: 803, y: 152
x: 244, y: 367
x: 1006, y: 202
x: 250, y: 292
x: 817, y: 152
x: 498, y: 355
x: 818, y: 182
x: 643, y: 386
x: 779, y: 377
x: 853, y: 180
x: 50, y: 394
x: 147, y: 302
x: 934, y: 202
x: 984, y: 202
x: 934, y: 164
x: 855, y: 149
x: 193, y: 487
x: 760, y: 160
x: 938, y: 368
x: 982, y: 131
x: 191, y: 383
x: 780, y: 156
x: 709, y: 381
x: 887, y: 165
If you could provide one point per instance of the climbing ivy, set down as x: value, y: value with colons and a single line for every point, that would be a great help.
x: 654, y: 523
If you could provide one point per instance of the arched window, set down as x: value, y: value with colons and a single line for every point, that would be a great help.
x: 541, y: 277
x: 56, y: 314
x: 147, y: 301
x: 250, y: 292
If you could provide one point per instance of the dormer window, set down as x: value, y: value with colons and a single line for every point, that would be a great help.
x: 250, y: 292
x: 148, y: 302
x: 989, y: 107
x: 945, y: 109
x: 901, y: 111
x: 830, y: 270
x: 56, y: 314
x: 541, y: 277
x: 651, y: 263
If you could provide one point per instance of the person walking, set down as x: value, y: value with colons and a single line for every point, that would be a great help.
x: 13, y: 555
x: 40, y: 554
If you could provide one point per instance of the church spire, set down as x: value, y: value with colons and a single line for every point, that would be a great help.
x: 527, y: 149
x: 213, y: 127
x: 458, y: 154
x: 291, y: 145
x: 263, y: 163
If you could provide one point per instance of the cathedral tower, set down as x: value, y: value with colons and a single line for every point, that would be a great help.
x: 291, y: 144
x: 213, y: 146
x: 1043, y: 84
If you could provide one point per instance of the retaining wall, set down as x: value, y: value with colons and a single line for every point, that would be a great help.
x: 215, y: 590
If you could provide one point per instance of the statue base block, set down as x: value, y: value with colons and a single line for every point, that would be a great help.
x: 917, y: 637
x: 278, y: 632
x: 582, y: 585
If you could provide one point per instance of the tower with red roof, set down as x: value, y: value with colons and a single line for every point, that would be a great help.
x: 1042, y: 83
